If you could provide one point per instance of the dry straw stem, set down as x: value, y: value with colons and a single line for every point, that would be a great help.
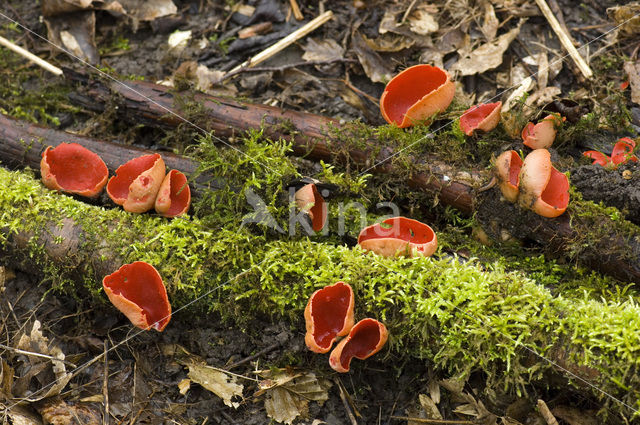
x: 25, y: 53
x: 287, y: 41
x: 565, y: 39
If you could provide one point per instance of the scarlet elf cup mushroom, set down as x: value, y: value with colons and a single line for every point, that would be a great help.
x: 72, y: 168
x: 328, y: 315
x: 137, y: 290
x: 137, y: 182
x: 309, y: 201
x: 365, y: 339
x: 484, y: 117
x: 508, y: 166
x: 543, y: 189
x: 174, y: 195
x: 416, y: 94
x: 542, y: 134
x: 399, y: 236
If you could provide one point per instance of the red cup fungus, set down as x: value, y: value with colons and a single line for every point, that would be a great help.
x: 542, y: 134
x: 174, y: 196
x: 137, y: 182
x: 621, y: 154
x: 72, y: 168
x: 399, y: 236
x: 543, y: 189
x: 137, y: 290
x: 309, y: 200
x: 623, y: 151
x: 508, y: 167
x: 328, y: 315
x: 365, y: 339
x: 415, y: 95
x: 484, y: 117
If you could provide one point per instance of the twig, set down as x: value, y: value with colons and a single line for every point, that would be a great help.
x: 254, y: 356
x: 105, y: 383
x: 343, y: 397
x: 22, y: 52
x: 286, y: 42
x: 546, y: 413
x: 565, y: 39
x: 296, y: 10
x: 285, y: 67
x: 432, y: 421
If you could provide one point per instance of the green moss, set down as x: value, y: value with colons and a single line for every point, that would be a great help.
x: 463, y: 316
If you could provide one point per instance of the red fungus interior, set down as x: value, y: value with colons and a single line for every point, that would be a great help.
x: 180, y: 195
x: 410, y: 86
x: 141, y: 284
x: 317, y: 211
x: 75, y: 167
x: 514, y: 168
x: 118, y: 186
x: 364, y: 338
x: 622, y: 151
x: 399, y: 228
x: 329, y: 306
x: 556, y: 193
x: 598, y: 157
x: 474, y: 116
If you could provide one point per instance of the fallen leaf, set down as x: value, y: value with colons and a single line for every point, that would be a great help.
x: 429, y: 406
x: 6, y: 380
x: 178, y: 40
x: 378, y: 70
x: 51, y: 372
x: 76, y: 32
x: 626, y: 16
x: 148, y: 10
x: 22, y: 415
x: 434, y: 391
x: 288, y: 393
x: 184, y: 385
x: 217, y: 381
x: 55, y: 410
x: 633, y: 71
x: 490, y: 23
x: 422, y: 22
x: 390, y: 42
x: 323, y: 50
x: 524, y: 87
x: 487, y: 56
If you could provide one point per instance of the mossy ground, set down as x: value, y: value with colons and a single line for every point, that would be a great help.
x: 482, y: 313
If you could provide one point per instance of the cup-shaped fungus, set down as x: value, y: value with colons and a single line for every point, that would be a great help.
x: 137, y: 290
x: 364, y: 340
x: 72, y: 168
x: 174, y: 196
x: 137, y: 182
x: 543, y: 189
x: 309, y: 200
x: 542, y: 134
x: 399, y: 236
x: 484, y: 117
x: 328, y: 315
x: 416, y: 94
x: 598, y: 158
x: 623, y: 151
x: 508, y: 166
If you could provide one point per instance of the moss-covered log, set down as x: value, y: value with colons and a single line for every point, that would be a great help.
x: 587, y: 234
x: 462, y: 316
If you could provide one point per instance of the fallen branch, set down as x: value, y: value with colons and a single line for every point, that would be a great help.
x: 437, y: 309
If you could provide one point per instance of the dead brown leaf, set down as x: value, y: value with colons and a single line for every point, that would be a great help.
x: 390, y: 42
x: 377, y: 69
x: 55, y: 410
x: 626, y: 16
x: 423, y: 20
x: 574, y: 416
x: 48, y: 371
x: 487, y: 56
x: 217, y: 381
x: 288, y: 393
x: 490, y: 23
x: 633, y: 72
x: 322, y: 50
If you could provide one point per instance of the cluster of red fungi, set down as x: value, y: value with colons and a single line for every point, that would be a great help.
x: 414, y: 96
x: 139, y: 185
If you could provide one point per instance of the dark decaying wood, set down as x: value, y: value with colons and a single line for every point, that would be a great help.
x: 21, y: 144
